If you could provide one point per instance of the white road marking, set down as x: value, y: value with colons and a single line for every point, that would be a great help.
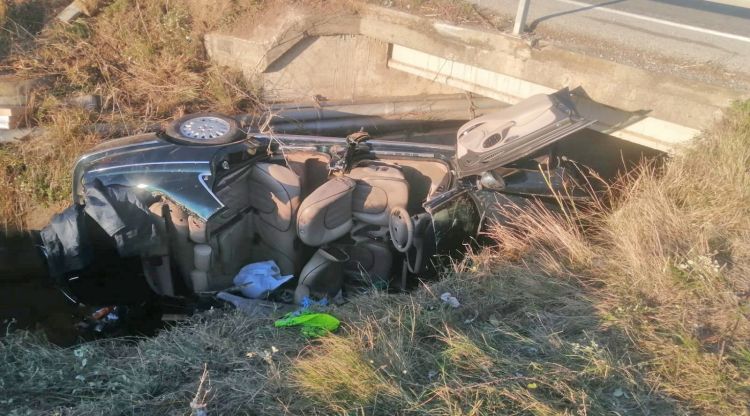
x: 737, y: 3
x: 659, y: 21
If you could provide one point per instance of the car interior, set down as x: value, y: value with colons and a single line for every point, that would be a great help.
x: 329, y: 230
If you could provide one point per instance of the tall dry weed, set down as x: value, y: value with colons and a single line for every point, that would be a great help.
x: 679, y: 268
x: 668, y: 259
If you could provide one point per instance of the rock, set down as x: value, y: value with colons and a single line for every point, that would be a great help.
x: 15, y: 90
x: 70, y: 13
x: 8, y: 136
x: 78, y: 8
x: 88, y: 102
x: 450, y: 300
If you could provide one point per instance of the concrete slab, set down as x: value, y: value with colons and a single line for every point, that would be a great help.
x: 341, y: 67
x: 313, y: 53
x: 15, y: 90
x: 70, y: 12
x: 634, y: 127
x: 630, y: 89
x: 690, y: 38
x: 9, y: 136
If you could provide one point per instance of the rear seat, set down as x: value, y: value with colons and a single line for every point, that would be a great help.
x: 275, y: 196
x: 350, y: 212
x: 358, y: 206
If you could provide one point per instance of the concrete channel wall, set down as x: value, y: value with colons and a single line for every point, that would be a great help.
x: 380, y: 52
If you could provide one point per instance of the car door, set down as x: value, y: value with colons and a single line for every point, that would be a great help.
x: 497, y: 139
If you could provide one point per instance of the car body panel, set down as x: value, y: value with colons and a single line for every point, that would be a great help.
x: 186, y: 174
x: 190, y: 177
x: 503, y: 137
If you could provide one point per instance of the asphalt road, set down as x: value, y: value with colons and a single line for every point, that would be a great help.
x: 706, y: 40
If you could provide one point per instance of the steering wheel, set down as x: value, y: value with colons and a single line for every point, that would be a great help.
x: 401, y: 229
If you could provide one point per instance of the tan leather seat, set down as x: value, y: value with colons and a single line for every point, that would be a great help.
x: 365, y: 196
x: 323, y: 217
x: 275, y: 195
x: 323, y: 275
x: 326, y: 214
x: 380, y: 188
x: 359, y: 202
x: 369, y: 263
x: 311, y: 167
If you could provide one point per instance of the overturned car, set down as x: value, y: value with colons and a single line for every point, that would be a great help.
x: 181, y: 211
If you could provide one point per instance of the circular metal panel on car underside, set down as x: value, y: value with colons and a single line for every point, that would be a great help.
x: 205, y: 128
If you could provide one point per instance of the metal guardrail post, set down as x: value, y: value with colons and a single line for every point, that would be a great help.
x: 523, y: 11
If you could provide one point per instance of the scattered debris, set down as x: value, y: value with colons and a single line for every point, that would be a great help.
x: 78, y: 8
x: 450, y: 300
x: 473, y: 318
x: 105, y: 320
x: 88, y: 102
x: 308, y: 303
x: 102, y: 312
x: 314, y: 324
x: 258, y: 280
x: 254, y: 307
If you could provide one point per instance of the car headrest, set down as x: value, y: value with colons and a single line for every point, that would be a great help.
x: 326, y: 214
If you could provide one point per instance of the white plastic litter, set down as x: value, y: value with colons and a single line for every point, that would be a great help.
x: 258, y: 280
x: 254, y: 307
x: 450, y: 300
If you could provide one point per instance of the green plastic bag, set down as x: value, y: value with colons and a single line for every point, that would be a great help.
x: 313, y: 324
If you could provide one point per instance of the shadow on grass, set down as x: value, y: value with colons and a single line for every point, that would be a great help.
x: 28, y: 299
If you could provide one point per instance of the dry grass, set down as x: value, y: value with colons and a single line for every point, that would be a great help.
x: 679, y: 268
x: 38, y: 171
x: 668, y: 265
x: 560, y: 249
x: 335, y: 372
x: 149, y: 376
x: 646, y: 312
x: 521, y: 343
x: 464, y: 354
x: 21, y: 21
x: 641, y: 307
x: 144, y: 58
